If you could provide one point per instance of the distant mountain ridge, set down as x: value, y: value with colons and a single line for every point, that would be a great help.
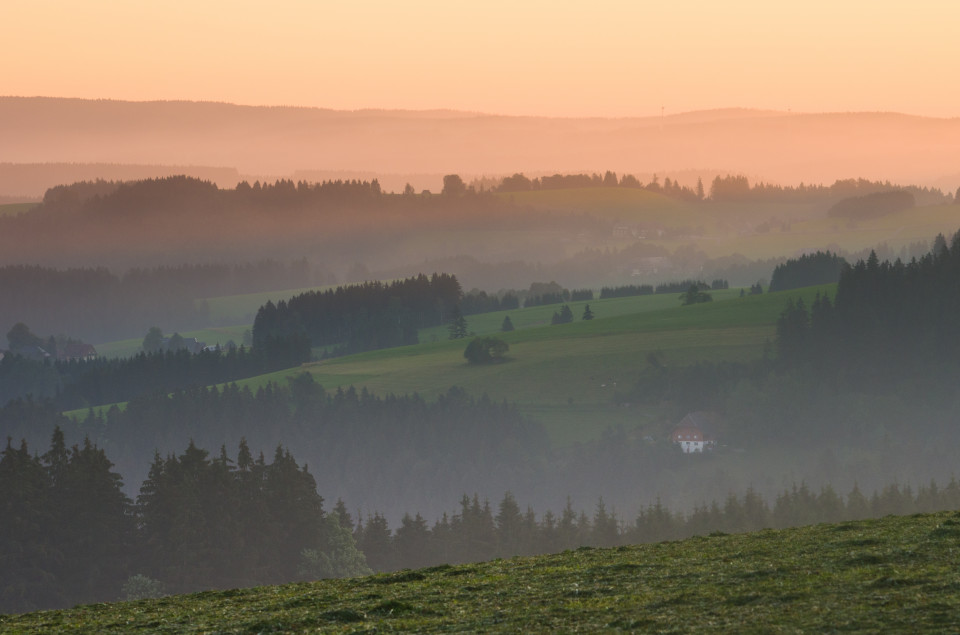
x: 280, y: 140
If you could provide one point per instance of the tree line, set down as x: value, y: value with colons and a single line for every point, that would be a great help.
x: 520, y: 183
x: 96, y: 304
x: 478, y: 531
x: 379, y: 449
x: 737, y: 189
x: 360, y: 317
x: 822, y: 267
x: 69, y: 534
x: 890, y: 324
x: 80, y: 383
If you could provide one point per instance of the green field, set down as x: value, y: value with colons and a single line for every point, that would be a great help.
x: 897, y: 574
x: 565, y: 376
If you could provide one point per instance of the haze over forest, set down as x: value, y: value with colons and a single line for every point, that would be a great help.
x: 483, y: 281
x: 418, y: 147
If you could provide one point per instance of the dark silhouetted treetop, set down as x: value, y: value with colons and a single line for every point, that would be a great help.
x: 872, y: 205
x: 362, y: 317
x: 483, y: 350
x: 453, y: 185
x: 565, y: 316
x: 694, y: 295
x: 821, y: 267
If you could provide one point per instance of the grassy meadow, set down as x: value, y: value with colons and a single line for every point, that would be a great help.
x: 896, y: 574
x: 564, y: 375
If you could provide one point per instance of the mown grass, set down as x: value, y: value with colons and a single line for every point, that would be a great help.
x: 896, y: 574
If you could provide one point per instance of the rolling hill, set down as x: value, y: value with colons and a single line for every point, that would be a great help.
x: 564, y: 376
x: 779, y: 146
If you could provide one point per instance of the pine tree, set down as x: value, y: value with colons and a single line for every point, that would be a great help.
x: 587, y: 313
x: 412, y: 542
x: 508, y: 524
x: 98, y: 523
x: 507, y: 325
x: 458, y: 324
x: 29, y: 559
x: 374, y: 541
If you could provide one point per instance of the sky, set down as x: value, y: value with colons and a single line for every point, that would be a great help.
x: 555, y: 58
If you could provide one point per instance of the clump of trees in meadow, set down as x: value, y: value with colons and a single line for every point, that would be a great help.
x: 360, y: 317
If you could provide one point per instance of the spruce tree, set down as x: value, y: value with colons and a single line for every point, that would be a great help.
x: 458, y: 324
x: 507, y: 325
x: 29, y: 557
x: 587, y: 313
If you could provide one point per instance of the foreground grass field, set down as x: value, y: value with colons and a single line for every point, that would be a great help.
x: 897, y: 574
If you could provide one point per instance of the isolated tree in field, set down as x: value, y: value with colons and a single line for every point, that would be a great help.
x: 458, y: 324
x: 587, y: 313
x: 153, y: 340
x: 483, y: 350
x: 453, y: 185
x: 694, y: 295
x: 507, y: 325
x: 565, y: 316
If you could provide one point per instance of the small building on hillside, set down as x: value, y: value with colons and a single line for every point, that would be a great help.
x: 697, y: 432
x: 77, y: 351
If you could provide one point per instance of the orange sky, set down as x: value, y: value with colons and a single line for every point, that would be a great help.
x: 602, y: 58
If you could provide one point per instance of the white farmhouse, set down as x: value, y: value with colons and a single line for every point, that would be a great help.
x: 695, y: 432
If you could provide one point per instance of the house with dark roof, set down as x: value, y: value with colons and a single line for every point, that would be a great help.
x: 696, y: 432
x: 77, y: 351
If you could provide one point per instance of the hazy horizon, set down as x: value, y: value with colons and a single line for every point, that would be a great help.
x: 534, y: 59
x: 267, y: 143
